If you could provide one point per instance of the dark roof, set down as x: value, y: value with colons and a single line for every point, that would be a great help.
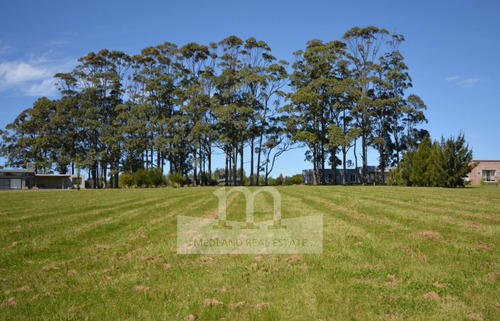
x: 15, y: 171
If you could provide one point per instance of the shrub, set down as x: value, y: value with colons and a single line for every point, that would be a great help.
x: 280, y: 180
x: 141, y: 178
x: 294, y: 180
x: 156, y: 177
x: 126, y: 180
x: 271, y: 181
x: 176, y: 179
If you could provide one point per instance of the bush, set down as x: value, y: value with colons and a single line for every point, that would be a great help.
x: 271, y: 181
x: 437, y: 164
x: 294, y: 180
x: 176, y: 179
x: 280, y: 180
x: 156, y: 177
x: 126, y: 180
x: 141, y: 178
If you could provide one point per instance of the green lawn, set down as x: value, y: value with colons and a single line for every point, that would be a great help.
x: 388, y: 253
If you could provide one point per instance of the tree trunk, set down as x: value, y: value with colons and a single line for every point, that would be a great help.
x: 333, y: 181
x: 209, y: 164
x: 315, y: 165
x: 226, y: 171
x: 356, y: 174
x: 235, y: 163
x: 241, y: 164
x: 251, y: 160
x: 195, y: 166
x: 258, y: 160
x: 344, y: 169
x: 364, y: 155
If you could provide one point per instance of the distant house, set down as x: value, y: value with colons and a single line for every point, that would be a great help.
x: 353, y: 176
x: 29, y: 179
x: 489, y: 170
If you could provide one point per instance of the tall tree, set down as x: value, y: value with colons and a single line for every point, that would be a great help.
x: 231, y: 113
x: 316, y: 101
x: 363, y: 52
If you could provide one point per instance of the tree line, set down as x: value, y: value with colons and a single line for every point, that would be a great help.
x: 174, y: 106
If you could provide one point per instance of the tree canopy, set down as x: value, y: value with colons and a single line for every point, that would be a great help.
x: 170, y: 107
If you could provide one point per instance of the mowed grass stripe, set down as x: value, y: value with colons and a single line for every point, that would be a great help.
x: 380, y: 261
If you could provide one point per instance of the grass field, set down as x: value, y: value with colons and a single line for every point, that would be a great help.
x: 388, y: 253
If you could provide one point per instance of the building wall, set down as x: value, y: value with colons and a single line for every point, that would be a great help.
x: 353, y: 176
x: 59, y: 181
x: 23, y: 179
x: 488, y: 169
x: 16, y: 180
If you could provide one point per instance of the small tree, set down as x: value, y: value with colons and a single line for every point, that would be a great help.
x: 444, y: 164
x: 156, y: 177
x: 419, y: 173
x: 176, y: 179
x: 280, y: 180
x: 141, y: 178
x: 127, y: 180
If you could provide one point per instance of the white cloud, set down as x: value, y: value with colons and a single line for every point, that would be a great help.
x: 465, y: 83
x: 60, y: 42
x: 33, y: 77
x: 45, y: 88
x: 469, y: 81
x: 15, y: 72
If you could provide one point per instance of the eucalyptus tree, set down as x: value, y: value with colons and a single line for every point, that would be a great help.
x: 30, y: 137
x: 363, y: 46
x: 413, y: 115
x: 68, y: 116
x: 231, y: 113
x: 318, y: 94
x: 270, y: 99
x: 261, y: 79
x: 277, y: 142
x: 100, y: 91
x: 345, y: 133
x: 196, y: 100
x: 156, y: 92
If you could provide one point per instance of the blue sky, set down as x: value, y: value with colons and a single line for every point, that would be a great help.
x: 452, y: 48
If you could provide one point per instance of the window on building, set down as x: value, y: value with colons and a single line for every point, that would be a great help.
x: 15, y: 183
x: 4, y: 183
x: 489, y: 175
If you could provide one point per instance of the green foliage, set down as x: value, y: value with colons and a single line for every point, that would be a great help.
x: 175, y: 105
x: 272, y: 181
x: 126, y: 180
x: 141, y: 178
x: 421, y: 164
x: 280, y: 180
x: 152, y: 177
x: 156, y: 177
x: 176, y: 179
x: 293, y: 180
x: 443, y: 164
